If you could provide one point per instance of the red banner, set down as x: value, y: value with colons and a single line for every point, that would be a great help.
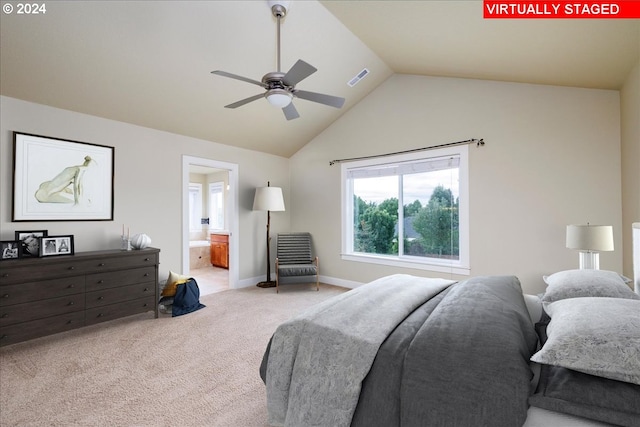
x: 626, y: 9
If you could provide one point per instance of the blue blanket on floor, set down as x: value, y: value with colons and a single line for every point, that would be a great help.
x: 187, y: 298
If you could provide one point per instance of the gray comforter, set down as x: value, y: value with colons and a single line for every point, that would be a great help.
x: 458, y: 356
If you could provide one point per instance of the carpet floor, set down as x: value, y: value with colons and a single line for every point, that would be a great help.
x: 200, y: 369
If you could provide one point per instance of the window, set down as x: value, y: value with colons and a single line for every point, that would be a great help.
x: 408, y: 210
x: 216, y: 205
x: 195, y: 206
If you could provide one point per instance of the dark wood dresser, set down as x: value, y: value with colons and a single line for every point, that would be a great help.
x: 44, y: 296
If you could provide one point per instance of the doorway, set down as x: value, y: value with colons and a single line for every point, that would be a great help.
x: 218, y: 182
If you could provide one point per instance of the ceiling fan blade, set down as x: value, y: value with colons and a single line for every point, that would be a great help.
x: 332, y: 101
x: 300, y: 71
x: 237, y: 77
x: 244, y: 101
x: 290, y: 112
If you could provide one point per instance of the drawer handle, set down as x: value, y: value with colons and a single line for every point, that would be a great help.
x: 5, y: 315
x: 145, y: 304
x: 69, y: 322
x: 5, y: 274
x: 100, y: 281
x: 146, y: 259
x: 99, y: 315
x: 146, y: 274
x: 71, y: 286
x: 146, y: 290
x: 5, y: 296
x: 72, y: 268
x: 70, y: 303
x: 101, y: 264
x: 3, y: 336
x: 100, y: 298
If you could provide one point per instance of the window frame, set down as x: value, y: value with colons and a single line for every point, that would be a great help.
x: 195, y: 188
x: 216, y: 187
x: 460, y: 266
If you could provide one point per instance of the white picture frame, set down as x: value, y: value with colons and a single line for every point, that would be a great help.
x: 61, y: 180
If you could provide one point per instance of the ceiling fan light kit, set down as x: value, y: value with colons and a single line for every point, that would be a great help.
x: 279, y: 97
x: 281, y: 87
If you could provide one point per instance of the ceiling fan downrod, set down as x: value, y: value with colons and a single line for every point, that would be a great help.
x: 279, y: 10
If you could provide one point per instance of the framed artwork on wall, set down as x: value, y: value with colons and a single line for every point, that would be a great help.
x: 29, y: 242
x: 56, y: 245
x: 61, y: 180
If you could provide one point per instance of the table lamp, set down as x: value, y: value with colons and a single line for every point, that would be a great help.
x: 590, y: 240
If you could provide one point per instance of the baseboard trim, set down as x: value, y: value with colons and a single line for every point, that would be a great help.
x: 252, y: 281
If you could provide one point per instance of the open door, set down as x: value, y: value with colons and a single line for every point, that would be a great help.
x: 202, y: 166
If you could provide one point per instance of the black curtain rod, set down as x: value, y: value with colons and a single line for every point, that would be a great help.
x: 478, y: 143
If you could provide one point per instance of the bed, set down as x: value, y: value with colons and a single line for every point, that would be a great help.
x: 412, y: 351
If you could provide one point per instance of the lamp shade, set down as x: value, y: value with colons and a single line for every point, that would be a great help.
x: 268, y: 199
x: 588, y: 237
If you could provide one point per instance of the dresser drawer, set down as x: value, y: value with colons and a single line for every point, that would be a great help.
x: 34, y: 291
x: 117, y: 295
x: 26, y: 312
x: 38, y: 328
x: 120, y: 278
x: 126, y: 261
x: 115, y: 311
x: 66, y: 267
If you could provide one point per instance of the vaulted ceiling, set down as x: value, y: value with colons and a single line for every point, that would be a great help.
x: 149, y: 62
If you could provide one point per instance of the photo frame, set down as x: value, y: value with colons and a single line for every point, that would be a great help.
x: 56, y: 245
x: 9, y: 249
x: 29, y: 242
x: 61, y: 180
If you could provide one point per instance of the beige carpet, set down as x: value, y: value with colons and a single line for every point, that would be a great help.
x: 200, y: 369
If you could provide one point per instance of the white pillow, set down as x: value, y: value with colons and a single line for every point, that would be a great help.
x: 595, y: 335
x: 534, y: 306
x: 586, y: 283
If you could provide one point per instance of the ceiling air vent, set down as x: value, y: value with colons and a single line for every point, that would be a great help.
x: 361, y: 75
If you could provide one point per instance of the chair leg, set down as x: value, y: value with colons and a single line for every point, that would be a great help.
x: 317, y: 275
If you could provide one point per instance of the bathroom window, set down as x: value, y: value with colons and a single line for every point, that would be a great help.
x: 216, y: 205
x: 195, y: 206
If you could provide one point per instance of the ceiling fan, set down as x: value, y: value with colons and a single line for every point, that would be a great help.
x: 281, y: 87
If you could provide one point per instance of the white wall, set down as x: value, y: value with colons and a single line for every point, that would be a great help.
x: 630, y: 125
x: 148, y: 183
x: 552, y: 158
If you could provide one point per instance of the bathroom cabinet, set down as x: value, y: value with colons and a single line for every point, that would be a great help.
x: 220, y: 250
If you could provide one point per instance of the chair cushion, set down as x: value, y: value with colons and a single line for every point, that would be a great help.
x: 297, y: 270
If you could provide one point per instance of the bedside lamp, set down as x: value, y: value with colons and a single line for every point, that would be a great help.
x: 268, y: 199
x: 590, y: 240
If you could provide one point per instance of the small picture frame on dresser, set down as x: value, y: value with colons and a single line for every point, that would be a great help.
x: 56, y: 245
x: 9, y: 249
x: 29, y: 242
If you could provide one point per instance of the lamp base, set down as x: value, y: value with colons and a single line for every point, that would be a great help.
x: 269, y: 284
x: 589, y: 261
